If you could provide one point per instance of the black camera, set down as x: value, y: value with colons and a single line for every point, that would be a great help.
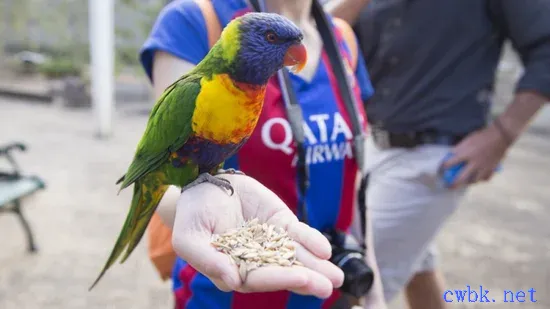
x: 350, y: 258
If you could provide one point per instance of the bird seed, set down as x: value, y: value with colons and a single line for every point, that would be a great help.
x: 254, y: 245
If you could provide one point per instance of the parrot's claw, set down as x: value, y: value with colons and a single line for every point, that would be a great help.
x: 230, y: 171
x: 217, y: 181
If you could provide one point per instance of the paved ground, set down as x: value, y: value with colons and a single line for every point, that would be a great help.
x: 500, y: 237
x: 76, y: 219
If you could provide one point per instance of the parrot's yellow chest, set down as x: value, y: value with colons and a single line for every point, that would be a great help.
x: 226, y: 112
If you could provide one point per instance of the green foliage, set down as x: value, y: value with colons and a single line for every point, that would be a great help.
x: 59, y: 68
x: 127, y: 56
x: 146, y: 13
x: 66, y: 24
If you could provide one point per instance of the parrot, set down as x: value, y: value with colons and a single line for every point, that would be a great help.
x: 206, y: 116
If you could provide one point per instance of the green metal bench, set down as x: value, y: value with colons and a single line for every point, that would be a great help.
x: 14, y: 187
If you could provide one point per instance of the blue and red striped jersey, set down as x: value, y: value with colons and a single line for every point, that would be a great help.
x: 180, y: 30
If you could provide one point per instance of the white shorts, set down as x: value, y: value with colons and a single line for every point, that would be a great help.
x: 407, y: 205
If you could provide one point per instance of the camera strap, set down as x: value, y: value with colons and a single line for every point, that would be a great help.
x: 295, y: 116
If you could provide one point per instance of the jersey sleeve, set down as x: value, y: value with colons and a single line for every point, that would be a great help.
x: 345, y: 32
x: 180, y: 30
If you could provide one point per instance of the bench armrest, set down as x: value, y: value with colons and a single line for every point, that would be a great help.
x: 6, y: 151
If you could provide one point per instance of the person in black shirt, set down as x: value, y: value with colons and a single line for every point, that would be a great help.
x: 432, y: 64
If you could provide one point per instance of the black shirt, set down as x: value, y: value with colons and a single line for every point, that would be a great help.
x: 433, y: 62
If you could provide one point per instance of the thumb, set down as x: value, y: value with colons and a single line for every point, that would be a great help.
x: 197, y: 251
x: 453, y: 159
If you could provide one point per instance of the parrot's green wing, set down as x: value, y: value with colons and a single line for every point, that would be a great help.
x: 168, y: 128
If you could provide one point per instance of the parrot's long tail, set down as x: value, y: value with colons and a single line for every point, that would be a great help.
x: 147, y: 194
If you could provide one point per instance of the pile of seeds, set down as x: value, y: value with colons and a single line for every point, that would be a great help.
x: 254, y: 245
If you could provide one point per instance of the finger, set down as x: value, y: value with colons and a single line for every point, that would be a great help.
x: 195, y: 249
x: 222, y: 286
x: 473, y: 177
x: 483, y: 175
x: 259, y: 202
x: 274, y: 278
x: 318, y: 285
x: 325, y: 268
x: 296, y: 279
x: 310, y: 238
x: 465, y: 176
x: 489, y: 175
x: 457, y: 158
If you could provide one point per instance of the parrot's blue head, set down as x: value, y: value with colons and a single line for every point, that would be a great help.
x: 259, y: 44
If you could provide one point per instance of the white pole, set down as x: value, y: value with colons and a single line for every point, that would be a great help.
x: 101, y: 30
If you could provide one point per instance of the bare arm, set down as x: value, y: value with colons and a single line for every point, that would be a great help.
x: 347, y: 10
x: 517, y: 116
x: 528, y: 28
x: 166, y: 69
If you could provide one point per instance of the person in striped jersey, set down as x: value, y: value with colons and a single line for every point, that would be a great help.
x: 178, y: 41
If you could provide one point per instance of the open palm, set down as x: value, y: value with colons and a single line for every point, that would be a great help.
x: 206, y: 209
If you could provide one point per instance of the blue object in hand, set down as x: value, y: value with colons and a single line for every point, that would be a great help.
x: 449, y: 175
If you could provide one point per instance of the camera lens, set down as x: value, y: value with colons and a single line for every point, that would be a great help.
x: 358, y: 276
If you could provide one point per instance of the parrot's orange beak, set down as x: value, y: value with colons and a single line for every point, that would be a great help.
x: 296, y: 56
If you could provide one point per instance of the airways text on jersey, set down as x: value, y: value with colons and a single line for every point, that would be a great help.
x: 332, y: 143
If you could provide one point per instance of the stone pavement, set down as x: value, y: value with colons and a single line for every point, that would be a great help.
x: 500, y: 237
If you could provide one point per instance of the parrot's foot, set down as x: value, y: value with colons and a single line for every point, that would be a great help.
x: 230, y: 171
x: 217, y: 181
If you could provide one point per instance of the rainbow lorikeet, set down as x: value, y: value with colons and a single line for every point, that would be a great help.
x: 205, y: 117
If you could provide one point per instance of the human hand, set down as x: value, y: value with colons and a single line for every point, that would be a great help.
x: 481, y: 153
x: 205, y: 210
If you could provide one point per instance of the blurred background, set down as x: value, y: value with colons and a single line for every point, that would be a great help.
x: 79, y: 141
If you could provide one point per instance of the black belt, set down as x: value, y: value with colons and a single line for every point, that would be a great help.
x: 386, y: 139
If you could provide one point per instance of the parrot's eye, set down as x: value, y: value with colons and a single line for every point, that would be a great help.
x: 271, y: 37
